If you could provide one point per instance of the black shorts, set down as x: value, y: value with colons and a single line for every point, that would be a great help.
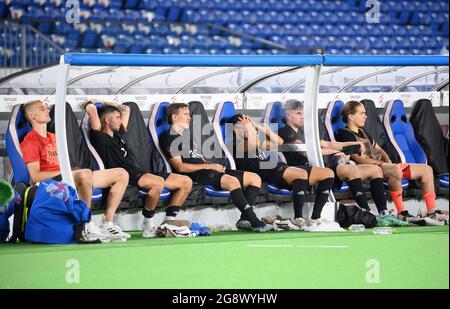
x: 135, y: 175
x: 213, y: 177
x: 57, y: 178
x: 337, y: 181
x: 275, y: 175
x: 307, y: 168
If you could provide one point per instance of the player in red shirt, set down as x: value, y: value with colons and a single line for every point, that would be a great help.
x: 41, y: 157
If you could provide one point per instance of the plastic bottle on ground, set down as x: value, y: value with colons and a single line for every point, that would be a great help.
x: 220, y: 228
x: 357, y: 228
x: 382, y: 231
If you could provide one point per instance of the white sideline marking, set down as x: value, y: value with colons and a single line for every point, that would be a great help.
x: 330, y: 247
x: 272, y: 246
x: 292, y: 246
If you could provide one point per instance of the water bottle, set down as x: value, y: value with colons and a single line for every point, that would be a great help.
x: 382, y: 231
x: 214, y: 228
x: 357, y: 228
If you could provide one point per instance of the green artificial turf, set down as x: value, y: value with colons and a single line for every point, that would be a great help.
x: 409, y: 258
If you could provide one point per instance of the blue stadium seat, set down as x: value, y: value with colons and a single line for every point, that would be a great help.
x: 401, y: 133
x: 333, y: 118
x: 90, y: 39
x: 333, y: 123
x: 400, y: 21
x: 130, y: 4
x: 159, y: 124
x: 18, y: 127
x: 2, y: 9
x: 443, y: 181
x: 275, y: 116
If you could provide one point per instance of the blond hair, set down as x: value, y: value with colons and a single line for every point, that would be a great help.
x: 26, y: 107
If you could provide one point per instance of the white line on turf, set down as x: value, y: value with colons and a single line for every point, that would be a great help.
x: 272, y: 246
x: 292, y: 246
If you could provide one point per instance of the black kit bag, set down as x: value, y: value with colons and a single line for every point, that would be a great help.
x: 353, y: 214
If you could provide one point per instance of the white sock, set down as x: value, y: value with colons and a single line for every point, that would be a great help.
x: 148, y: 222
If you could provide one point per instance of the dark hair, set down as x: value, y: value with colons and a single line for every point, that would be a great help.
x: 293, y: 104
x: 173, y: 110
x: 235, y: 119
x: 349, y: 109
x: 106, y: 109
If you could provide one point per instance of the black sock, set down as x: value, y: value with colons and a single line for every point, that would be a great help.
x: 250, y: 215
x: 299, y: 187
x: 172, y: 211
x: 322, y: 193
x: 148, y: 213
x: 359, y: 195
x: 378, y: 194
x: 251, y: 193
x: 238, y: 199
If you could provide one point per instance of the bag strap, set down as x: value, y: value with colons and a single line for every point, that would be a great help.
x: 25, y: 208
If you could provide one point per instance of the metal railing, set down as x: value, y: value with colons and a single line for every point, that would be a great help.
x: 22, y: 47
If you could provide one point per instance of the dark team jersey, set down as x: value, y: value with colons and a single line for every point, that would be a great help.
x: 174, y: 145
x: 289, y: 136
x: 113, y: 151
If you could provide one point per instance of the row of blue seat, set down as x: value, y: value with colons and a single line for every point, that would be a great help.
x: 267, y: 5
x: 295, y: 30
x: 274, y: 114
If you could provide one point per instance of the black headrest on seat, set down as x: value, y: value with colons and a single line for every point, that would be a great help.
x: 79, y: 154
x: 198, y: 113
x: 140, y: 144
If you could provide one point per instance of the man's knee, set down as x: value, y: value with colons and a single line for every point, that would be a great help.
x: 397, y: 172
x: 328, y: 173
x: 159, y: 183
x: 186, y: 183
x: 122, y: 175
x: 253, y: 179
x: 351, y: 172
x: 230, y: 182
x: 83, y: 177
x: 378, y: 173
x: 429, y: 170
x: 301, y: 174
x: 374, y: 172
x: 155, y: 183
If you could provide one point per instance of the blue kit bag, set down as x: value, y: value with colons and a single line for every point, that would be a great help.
x: 55, y: 213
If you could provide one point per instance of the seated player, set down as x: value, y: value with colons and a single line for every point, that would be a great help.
x: 354, y: 115
x: 243, y: 186
x: 109, y: 137
x: 352, y: 174
x: 41, y: 157
x: 248, y: 152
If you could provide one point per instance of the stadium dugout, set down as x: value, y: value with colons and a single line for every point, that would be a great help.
x: 249, y: 82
